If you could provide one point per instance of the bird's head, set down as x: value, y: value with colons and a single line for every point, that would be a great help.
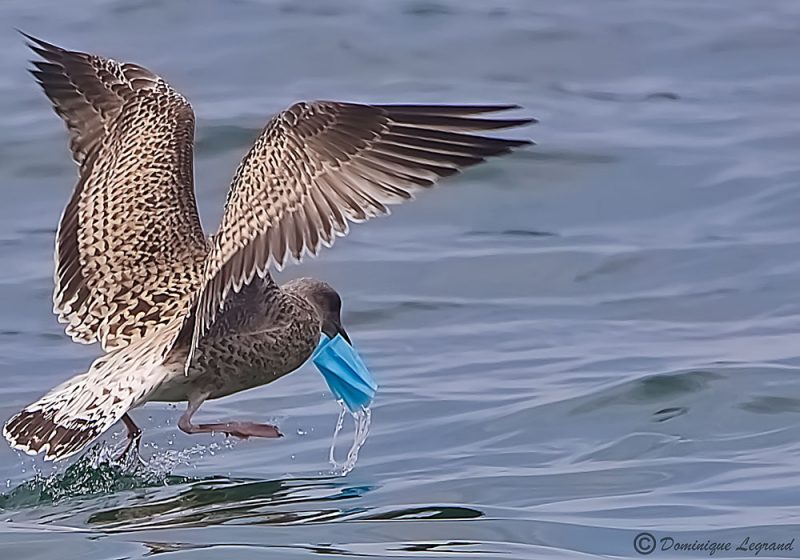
x: 335, y: 358
x: 326, y: 301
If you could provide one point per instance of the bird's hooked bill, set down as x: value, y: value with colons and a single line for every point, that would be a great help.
x: 344, y: 372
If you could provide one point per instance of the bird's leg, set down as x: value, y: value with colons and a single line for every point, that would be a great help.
x: 241, y: 430
x: 134, y: 438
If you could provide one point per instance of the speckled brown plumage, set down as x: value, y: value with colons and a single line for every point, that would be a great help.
x: 184, y: 317
x: 130, y: 247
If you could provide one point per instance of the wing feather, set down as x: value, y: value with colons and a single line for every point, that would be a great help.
x: 318, y: 166
x: 129, y: 239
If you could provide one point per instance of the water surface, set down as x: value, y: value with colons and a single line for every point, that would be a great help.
x: 584, y: 341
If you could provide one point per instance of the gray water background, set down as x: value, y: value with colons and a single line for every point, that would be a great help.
x: 583, y: 341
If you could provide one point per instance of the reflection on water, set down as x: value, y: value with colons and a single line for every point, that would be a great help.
x: 222, y: 501
x: 193, y: 502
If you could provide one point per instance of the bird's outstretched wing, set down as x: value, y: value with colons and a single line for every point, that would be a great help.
x: 130, y: 247
x: 319, y: 165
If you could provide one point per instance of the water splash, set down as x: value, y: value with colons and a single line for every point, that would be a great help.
x: 97, y: 472
x: 361, y: 419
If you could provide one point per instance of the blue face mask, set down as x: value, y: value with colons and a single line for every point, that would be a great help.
x: 344, y: 372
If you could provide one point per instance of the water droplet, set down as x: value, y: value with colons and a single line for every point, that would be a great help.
x: 362, y: 420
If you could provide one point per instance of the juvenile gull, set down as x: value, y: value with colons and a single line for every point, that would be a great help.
x: 183, y: 317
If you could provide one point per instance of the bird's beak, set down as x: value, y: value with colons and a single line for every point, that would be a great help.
x: 333, y: 328
x: 343, y: 334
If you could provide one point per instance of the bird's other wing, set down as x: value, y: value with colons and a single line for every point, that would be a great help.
x: 319, y: 165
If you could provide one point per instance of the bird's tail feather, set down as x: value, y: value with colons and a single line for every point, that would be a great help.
x: 75, y: 413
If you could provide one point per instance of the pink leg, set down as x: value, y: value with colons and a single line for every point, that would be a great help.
x: 241, y: 430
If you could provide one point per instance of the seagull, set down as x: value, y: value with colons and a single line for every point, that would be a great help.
x: 185, y: 317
